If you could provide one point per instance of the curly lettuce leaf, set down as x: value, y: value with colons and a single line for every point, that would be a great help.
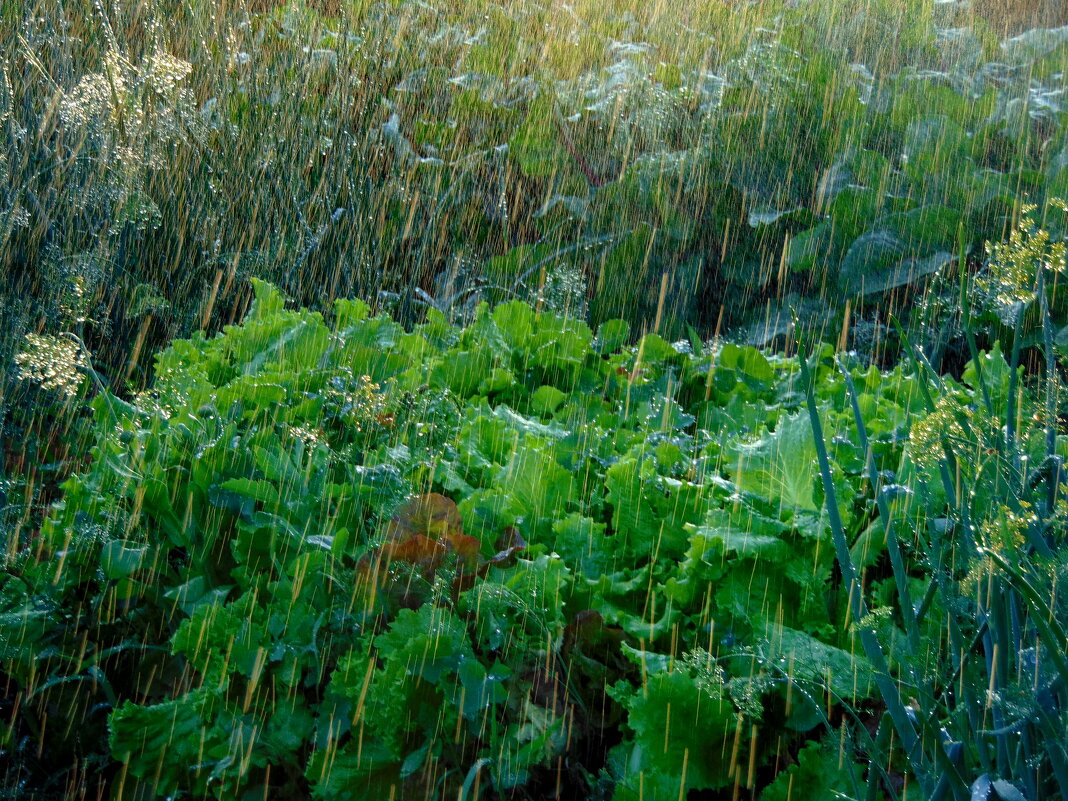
x: 683, y: 729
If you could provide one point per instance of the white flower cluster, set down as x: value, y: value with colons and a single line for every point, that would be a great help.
x: 54, y: 363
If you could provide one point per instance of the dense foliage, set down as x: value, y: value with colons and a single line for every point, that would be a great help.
x: 615, y: 159
x: 532, y: 514
x: 348, y: 559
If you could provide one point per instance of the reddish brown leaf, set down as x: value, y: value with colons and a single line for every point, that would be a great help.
x: 431, y: 515
x: 465, y: 546
x: 416, y: 549
x: 587, y: 629
x: 508, y: 545
x: 510, y: 539
x: 584, y: 625
x: 465, y: 579
x: 366, y: 569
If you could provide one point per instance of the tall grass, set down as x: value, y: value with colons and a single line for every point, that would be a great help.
x: 159, y: 153
x: 981, y: 712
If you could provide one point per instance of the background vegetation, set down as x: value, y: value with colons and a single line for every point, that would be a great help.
x: 159, y: 153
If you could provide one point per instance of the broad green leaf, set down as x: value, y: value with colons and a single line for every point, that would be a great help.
x: 823, y: 772
x: 121, y: 558
x: 546, y: 399
x: 613, y: 335
x: 781, y: 465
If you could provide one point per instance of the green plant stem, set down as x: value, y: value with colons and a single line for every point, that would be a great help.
x: 858, y: 608
x: 897, y: 563
x: 997, y: 651
x: 1043, y: 616
x: 947, y: 467
x: 1011, y: 445
x: 969, y: 335
x: 1054, y: 463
